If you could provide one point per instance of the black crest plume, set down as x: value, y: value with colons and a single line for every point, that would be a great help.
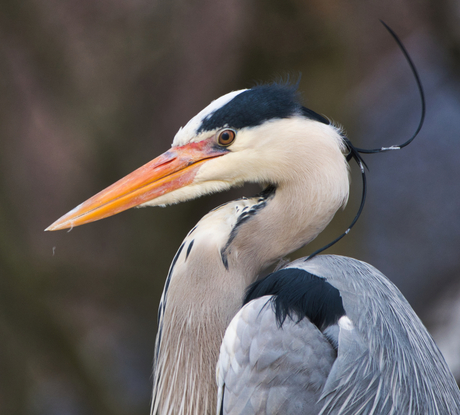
x: 354, y: 152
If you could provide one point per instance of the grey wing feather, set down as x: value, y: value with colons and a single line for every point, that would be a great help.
x: 387, y: 363
x: 265, y: 369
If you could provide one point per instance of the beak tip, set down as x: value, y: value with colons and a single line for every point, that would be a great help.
x: 52, y: 227
x: 59, y: 225
x: 68, y: 221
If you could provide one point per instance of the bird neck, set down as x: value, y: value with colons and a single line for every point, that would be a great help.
x: 218, y: 259
x: 199, y: 299
x: 280, y: 227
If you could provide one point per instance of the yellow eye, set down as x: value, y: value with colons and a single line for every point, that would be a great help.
x: 226, y: 137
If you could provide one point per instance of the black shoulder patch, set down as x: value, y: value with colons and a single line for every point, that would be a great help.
x: 257, y: 105
x: 298, y: 293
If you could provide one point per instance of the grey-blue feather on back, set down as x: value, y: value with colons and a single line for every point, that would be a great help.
x: 378, y: 358
x: 388, y: 363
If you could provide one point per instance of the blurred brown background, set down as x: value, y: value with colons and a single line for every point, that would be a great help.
x: 92, y: 89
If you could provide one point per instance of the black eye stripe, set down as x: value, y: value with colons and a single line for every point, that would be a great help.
x: 254, y: 106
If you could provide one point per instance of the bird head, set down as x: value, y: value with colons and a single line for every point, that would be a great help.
x: 260, y: 135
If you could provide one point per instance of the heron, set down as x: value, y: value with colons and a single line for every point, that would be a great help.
x: 322, y: 335
x: 325, y: 335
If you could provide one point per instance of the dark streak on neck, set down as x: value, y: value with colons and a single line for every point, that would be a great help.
x: 267, y: 194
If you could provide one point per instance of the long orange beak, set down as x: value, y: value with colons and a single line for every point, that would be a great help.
x: 172, y: 170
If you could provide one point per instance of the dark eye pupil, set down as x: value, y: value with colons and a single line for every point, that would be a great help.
x: 226, y: 137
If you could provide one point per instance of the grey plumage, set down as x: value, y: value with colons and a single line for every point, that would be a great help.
x: 264, y: 369
x: 385, y: 363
